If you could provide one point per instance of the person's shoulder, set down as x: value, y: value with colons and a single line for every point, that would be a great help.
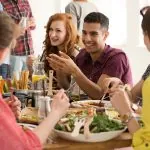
x: 116, y: 51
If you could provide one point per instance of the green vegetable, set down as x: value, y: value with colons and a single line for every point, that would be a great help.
x: 101, y: 123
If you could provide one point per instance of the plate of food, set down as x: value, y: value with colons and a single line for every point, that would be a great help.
x: 96, y: 128
x: 29, y: 115
x: 91, y: 103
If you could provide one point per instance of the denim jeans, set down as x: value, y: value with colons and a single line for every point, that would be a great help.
x: 5, y: 71
x: 18, y: 64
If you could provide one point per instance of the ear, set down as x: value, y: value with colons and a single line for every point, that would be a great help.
x: 106, y: 34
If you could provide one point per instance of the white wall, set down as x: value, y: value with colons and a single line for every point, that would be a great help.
x: 138, y: 56
x: 42, y: 10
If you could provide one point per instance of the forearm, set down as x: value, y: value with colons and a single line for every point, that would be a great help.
x: 63, y: 80
x: 133, y: 125
x: 45, y: 128
x: 89, y: 87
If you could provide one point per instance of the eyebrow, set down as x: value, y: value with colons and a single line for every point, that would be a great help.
x: 90, y: 31
x: 55, y: 28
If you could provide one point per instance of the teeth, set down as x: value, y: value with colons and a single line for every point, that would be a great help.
x: 88, y: 45
x: 54, y: 40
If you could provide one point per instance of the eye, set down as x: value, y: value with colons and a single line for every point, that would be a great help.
x: 84, y: 33
x: 50, y: 29
x: 58, y: 30
x: 94, y: 33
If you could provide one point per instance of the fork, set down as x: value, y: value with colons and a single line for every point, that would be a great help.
x: 71, y: 86
x: 103, y: 97
x: 77, y: 125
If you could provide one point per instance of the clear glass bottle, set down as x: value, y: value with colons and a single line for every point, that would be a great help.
x: 39, y: 79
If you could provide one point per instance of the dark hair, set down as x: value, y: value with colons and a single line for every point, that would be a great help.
x: 145, y: 12
x: 97, y: 17
x: 7, y: 30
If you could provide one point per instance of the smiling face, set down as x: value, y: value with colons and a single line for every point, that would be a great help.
x: 94, y: 37
x: 57, y: 33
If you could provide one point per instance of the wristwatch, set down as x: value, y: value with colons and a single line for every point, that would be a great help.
x: 134, y: 107
x: 127, y: 117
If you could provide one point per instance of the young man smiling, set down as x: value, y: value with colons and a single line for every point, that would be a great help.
x: 97, y: 60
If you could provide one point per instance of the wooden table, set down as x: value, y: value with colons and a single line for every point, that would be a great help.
x: 123, y: 140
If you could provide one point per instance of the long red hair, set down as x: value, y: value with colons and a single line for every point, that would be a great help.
x: 72, y: 37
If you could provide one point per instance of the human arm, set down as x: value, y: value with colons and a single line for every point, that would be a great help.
x: 120, y: 101
x: 31, y: 23
x: 67, y: 65
x: 31, y: 20
x: 136, y: 91
x: 29, y: 61
x: 63, y: 79
x: 118, y: 66
x: 59, y: 107
x: 14, y: 104
x: 23, y: 138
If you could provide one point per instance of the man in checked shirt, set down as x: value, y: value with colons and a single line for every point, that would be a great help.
x: 19, y: 9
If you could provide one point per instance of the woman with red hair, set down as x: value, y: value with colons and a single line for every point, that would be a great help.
x: 61, y: 35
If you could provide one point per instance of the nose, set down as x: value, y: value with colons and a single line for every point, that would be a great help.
x: 86, y: 37
x: 52, y: 33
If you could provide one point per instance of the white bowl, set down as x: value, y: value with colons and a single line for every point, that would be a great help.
x: 95, y: 137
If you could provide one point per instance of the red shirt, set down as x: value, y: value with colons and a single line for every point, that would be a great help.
x: 112, y: 62
x: 13, y: 136
x: 18, y: 9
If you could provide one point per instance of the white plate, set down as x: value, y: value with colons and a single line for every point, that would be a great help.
x: 30, y: 126
x: 95, y: 137
x: 76, y: 104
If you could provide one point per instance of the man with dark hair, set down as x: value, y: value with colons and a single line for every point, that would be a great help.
x: 97, y: 60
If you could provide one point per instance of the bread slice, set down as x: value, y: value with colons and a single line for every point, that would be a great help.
x: 29, y: 115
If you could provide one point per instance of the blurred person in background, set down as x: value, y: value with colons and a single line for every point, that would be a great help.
x: 5, y: 67
x: 21, y: 13
x: 79, y: 9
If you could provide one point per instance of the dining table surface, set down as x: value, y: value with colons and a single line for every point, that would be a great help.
x: 57, y: 143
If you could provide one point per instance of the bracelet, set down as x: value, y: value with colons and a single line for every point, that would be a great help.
x: 127, y: 117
